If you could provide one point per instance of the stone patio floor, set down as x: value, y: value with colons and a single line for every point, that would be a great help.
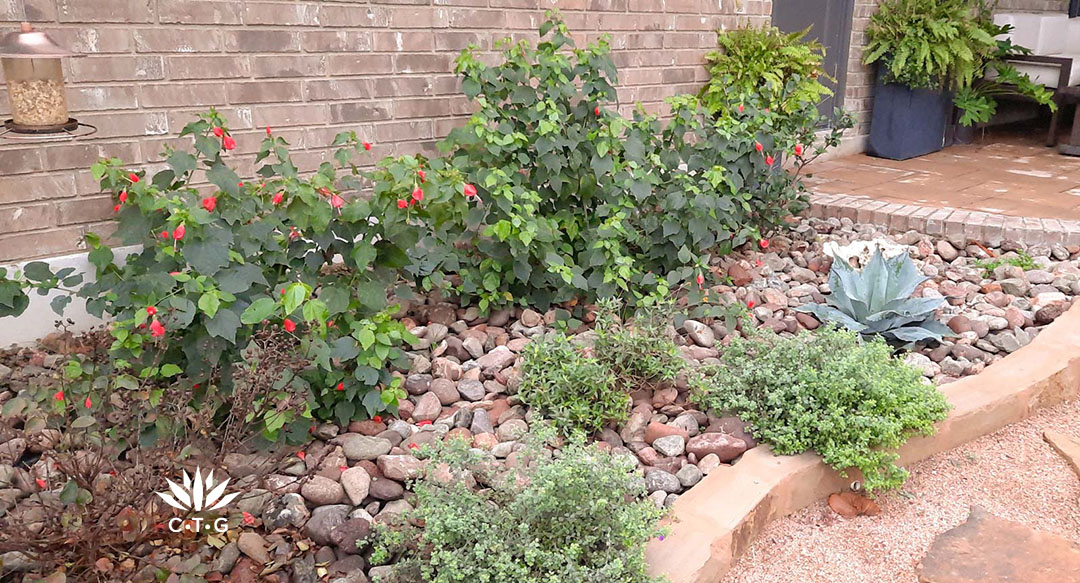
x: 1002, y: 174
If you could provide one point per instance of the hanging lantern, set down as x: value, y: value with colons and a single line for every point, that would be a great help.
x: 35, y: 83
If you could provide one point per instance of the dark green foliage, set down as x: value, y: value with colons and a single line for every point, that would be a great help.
x: 639, y: 356
x: 829, y: 391
x: 578, y: 516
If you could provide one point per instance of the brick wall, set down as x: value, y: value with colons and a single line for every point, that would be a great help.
x: 308, y: 69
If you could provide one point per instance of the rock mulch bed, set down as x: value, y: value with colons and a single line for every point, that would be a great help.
x: 462, y: 384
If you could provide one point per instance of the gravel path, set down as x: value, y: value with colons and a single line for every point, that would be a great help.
x: 1012, y: 473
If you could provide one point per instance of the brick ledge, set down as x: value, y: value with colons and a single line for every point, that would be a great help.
x: 988, y: 228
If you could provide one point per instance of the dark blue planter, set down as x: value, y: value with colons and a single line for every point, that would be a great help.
x: 907, y: 122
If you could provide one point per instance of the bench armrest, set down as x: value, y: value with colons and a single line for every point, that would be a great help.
x: 1064, y: 64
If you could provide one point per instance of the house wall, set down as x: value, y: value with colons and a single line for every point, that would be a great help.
x: 308, y: 69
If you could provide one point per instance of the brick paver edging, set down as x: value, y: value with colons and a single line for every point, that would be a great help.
x: 987, y: 228
x: 717, y: 520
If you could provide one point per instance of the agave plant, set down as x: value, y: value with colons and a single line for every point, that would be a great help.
x: 877, y: 300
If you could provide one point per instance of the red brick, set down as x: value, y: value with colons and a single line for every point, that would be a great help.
x: 177, y: 40
x: 427, y: 17
x: 91, y: 40
x: 28, y: 217
x: 207, y: 67
x: 125, y: 11
x: 37, y: 187
x: 33, y: 10
x: 359, y: 64
x: 363, y: 111
x: 265, y: 92
x: 288, y: 66
x: 407, y: 41
x: 290, y: 14
x: 35, y: 244
x: 199, y: 11
x: 84, y: 98
x: 67, y: 156
x: 181, y: 95
x: 262, y: 41
x: 20, y: 160
x: 336, y: 89
x: 85, y: 209
x: 128, y: 123
x: 341, y: 41
x: 290, y: 115
x: 116, y: 68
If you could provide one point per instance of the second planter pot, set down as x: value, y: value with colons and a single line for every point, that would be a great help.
x: 907, y: 122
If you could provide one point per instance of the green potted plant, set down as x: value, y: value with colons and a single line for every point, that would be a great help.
x: 976, y: 101
x: 925, y: 50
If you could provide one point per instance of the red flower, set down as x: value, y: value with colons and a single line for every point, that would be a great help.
x: 88, y: 402
x: 151, y: 311
x: 248, y: 518
x: 750, y: 304
x: 758, y: 146
x: 418, y: 194
x: 700, y: 279
x: 423, y: 423
x: 337, y: 202
x: 367, y: 145
x: 470, y: 190
x: 240, y: 184
x: 377, y: 418
x: 293, y: 233
x: 290, y: 326
x: 341, y: 386
x: 209, y: 203
x: 798, y: 149
x: 59, y: 395
x: 165, y: 235
x: 157, y: 330
x: 123, y: 196
x: 764, y: 243
x: 324, y: 191
x: 116, y: 208
x: 268, y: 130
x: 178, y: 232
x: 769, y: 160
x: 133, y: 177
x: 423, y: 177
x: 301, y: 455
x: 228, y: 142
x: 41, y: 483
x: 596, y: 111
x: 219, y: 132
x: 278, y: 197
x: 757, y: 263
x: 741, y: 108
x: 402, y: 203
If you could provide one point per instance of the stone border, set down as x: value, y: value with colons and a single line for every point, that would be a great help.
x: 988, y: 228
x: 715, y: 521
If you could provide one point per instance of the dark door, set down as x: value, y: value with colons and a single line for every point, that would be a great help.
x: 830, y: 24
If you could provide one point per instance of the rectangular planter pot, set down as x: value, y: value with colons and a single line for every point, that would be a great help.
x: 907, y: 122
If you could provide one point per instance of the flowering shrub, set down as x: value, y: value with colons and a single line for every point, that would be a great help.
x: 283, y: 252
x: 573, y: 200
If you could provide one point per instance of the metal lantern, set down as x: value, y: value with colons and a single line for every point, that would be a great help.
x: 35, y: 83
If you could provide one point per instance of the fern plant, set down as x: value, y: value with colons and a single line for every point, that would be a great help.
x: 932, y: 44
x: 782, y: 69
x: 976, y: 101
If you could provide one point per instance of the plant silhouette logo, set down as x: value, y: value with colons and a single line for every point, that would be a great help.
x: 197, y: 495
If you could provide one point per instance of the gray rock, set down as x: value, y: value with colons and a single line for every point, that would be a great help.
x: 303, y: 569
x: 512, y: 430
x: 288, y: 510
x: 1039, y: 276
x: 1016, y: 286
x: 481, y: 422
x: 689, y: 475
x: 445, y: 390
x: 471, y: 390
x: 1006, y: 341
x: 325, y: 519
x: 417, y: 384
x: 946, y: 251
x: 363, y: 447
x: 226, y: 558
x: 5, y: 372
x: 660, y: 481
x: 670, y: 446
x: 474, y: 346
x: 346, y: 535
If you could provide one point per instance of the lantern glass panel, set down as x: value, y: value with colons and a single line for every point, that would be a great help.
x: 36, y: 91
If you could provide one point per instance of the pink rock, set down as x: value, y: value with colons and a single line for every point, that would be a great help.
x: 428, y: 408
x: 657, y: 430
x: 485, y: 441
x: 726, y: 447
x: 400, y: 467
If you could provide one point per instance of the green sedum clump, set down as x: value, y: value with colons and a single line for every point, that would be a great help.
x: 642, y: 355
x: 579, y: 514
x: 846, y: 398
x: 1021, y: 260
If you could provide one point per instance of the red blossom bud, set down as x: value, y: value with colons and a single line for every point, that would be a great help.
x: 402, y: 203
x: 178, y: 232
x: 290, y: 326
x: 219, y: 132
x: 228, y: 142
x: 470, y: 190
x: 151, y: 311
x: 209, y: 203
x: 367, y: 145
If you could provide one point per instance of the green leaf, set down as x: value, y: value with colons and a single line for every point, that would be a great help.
x: 315, y: 311
x: 37, y: 271
x: 224, y: 325
x: 258, y: 311
x: 83, y: 422
x: 224, y: 178
x: 295, y: 294
x: 170, y: 370
x: 210, y: 302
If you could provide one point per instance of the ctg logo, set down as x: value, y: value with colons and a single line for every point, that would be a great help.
x: 197, y: 495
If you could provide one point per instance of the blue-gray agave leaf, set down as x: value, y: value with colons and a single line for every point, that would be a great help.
x: 877, y: 300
